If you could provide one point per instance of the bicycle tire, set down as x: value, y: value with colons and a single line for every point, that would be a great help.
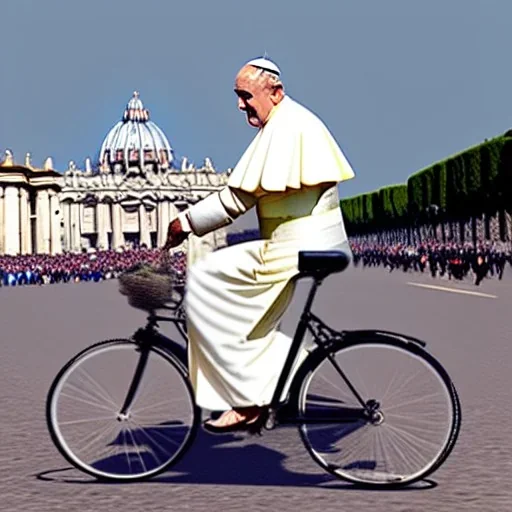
x: 54, y: 429
x: 300, y: 384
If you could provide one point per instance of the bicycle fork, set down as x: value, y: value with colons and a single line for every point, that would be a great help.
x: 144, y: 349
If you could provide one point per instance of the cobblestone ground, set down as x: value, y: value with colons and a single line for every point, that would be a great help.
x: 43, y: 327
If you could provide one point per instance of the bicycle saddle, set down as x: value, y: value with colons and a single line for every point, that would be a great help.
x: 322, y: 262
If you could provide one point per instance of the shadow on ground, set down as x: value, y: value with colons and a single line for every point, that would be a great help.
x: 213, y: 460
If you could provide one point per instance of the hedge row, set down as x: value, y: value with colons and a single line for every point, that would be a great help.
x: 386, y: 206
x: 473, y: 182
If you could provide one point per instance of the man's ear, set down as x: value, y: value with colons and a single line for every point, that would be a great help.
x: 277, y: 94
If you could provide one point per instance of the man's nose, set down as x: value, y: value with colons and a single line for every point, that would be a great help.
x: 241, y: 104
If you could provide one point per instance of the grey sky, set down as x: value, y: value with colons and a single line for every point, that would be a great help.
x: 400, y: 84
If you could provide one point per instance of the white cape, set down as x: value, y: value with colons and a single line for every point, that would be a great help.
x: 293, y: 149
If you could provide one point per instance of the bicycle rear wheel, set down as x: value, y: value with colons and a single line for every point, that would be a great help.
x: 84, y: 403
x: 408, y: 427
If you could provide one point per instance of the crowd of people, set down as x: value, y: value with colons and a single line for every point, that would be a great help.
x: 451, y: 260
x: 454, y: 261
x: 70, y: 267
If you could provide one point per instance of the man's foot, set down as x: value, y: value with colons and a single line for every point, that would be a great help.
x: 238, y: 418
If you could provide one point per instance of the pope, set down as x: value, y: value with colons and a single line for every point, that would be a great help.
x: 236, y: 296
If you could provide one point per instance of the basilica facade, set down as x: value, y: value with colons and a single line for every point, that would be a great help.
x: 125, y: 199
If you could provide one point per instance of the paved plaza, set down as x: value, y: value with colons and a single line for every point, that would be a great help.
x: 470, y: 333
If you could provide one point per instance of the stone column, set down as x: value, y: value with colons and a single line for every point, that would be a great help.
x: 11, y: 220
x: 83, y: 241
x: 101, y: 227
x: 117, y: 228
x: 172, y: 212
x: 162, y: 222
x: 2, y: 223
x: 166, y: 217
x: 30, y: 222
x: 144, y: 234
x: 107, y: 217
x: 55, y: 230
x: 75, y: 227
x: 25, y: 224
x: 42, y: 222
x: 66, y: 218
x: 159, y: 224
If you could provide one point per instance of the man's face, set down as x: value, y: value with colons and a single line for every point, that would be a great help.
x: 254, y: 98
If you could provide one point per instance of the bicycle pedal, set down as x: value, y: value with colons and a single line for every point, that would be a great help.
x: 270, y: 421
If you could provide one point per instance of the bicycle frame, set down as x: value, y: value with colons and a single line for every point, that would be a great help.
x: 324, y: 336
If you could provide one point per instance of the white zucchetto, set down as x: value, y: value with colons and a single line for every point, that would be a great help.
x: 266, y: 64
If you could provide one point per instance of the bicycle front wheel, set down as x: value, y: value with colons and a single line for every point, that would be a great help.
x: 87, y: 424
x: 406, y: 429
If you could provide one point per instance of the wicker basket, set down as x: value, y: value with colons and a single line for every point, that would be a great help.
x: 149, y: 288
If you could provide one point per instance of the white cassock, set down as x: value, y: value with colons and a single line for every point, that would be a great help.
x: 236, y: 296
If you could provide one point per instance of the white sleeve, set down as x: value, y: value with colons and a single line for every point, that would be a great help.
x: 216, y: 211
x: 185, y: 224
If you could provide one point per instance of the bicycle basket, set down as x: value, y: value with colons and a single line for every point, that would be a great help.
x: 148, y: 287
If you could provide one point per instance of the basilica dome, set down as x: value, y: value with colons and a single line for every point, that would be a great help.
x: 136, y: 141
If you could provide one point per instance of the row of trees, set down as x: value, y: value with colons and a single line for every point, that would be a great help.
x: 467, y: 185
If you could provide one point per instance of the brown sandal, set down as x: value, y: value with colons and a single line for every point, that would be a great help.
x: 241, y: 423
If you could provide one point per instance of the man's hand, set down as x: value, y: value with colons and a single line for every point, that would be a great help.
x: 175, y: 235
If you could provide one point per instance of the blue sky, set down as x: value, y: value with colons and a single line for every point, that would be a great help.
x: 400, y: 84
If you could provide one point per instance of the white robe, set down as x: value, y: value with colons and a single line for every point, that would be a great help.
x: 236, y: 296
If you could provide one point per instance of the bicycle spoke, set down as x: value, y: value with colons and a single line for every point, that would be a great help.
x: 127, y: 453
x: 396, y: 449
x: 382, y: 445
x: 403, y: 444
x: 413, y: 438
x: 106, y: 396
x: 149, y: 447
x: 138, y: 451
x: 152, y: 439
x: 412, y: 378
x: 75, y: 422
x: 414, y: 401
x: 390, y: 385
x: 95, y: 439
x: 86, y: 394
x: 159, y: 404
x: 85, y: 401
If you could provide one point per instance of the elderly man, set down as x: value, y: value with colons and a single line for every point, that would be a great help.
x: 236, y: 296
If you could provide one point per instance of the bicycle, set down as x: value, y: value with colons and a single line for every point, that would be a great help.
x: 367, y: 446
